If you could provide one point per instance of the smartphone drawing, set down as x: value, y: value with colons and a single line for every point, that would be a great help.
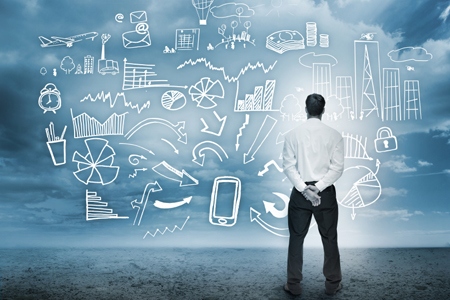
x: 225, y: 199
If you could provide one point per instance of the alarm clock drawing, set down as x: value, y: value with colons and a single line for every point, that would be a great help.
x: 50, y: 98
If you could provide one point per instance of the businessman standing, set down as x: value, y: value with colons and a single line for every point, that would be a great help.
x: 313, y: 159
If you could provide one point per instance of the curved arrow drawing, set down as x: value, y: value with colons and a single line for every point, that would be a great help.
x: 140, y: 205
x: 169, y: 172
x: 177, y: 128
x: 270, y: 206
x: 134, y: 159
x: 266, y: 168
x: 199, y: 156
x: 256, y: 216
x: 171, y: 145
x: 165, y: 205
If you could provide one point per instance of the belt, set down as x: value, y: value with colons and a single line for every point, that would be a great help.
x: 310, y: 182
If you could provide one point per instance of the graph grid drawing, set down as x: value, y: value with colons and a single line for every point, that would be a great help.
x: 391, y: 95
x: 344, y: 92
x: 260, y: 100
x: 411, y: 97
x: 322, y: 79
x: 86, y: 126
x: 355, y: 146
x: 187, y: 39
x: 138, y: 76
x: 96, y: 209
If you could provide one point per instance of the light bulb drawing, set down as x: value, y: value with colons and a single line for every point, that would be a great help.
x: 202, y: 7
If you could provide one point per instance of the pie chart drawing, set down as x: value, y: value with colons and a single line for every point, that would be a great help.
x: 173, y: 100
x: 205, y: 91
x: 361, y: 186
x: 97, y: 165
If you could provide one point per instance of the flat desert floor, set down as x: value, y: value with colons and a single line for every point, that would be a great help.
x: 217, y: 273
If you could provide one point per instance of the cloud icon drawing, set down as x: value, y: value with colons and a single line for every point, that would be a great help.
x: 308, y: 59
x: 410, y: 54
x: 227, y: 10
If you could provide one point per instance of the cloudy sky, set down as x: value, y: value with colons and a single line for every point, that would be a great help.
x: 178, y: 128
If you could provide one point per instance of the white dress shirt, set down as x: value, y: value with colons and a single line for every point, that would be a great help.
x: 313, y: 151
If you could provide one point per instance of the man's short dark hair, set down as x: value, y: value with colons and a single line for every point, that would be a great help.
x: 315, y: 103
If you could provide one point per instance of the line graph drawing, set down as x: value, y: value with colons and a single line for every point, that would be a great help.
x: 260, y: 100
x: 227, y: 77
x: 355, y: 146
x: 96, y: 209
x: 106, y: 96
x: 87, y: 126
x: 166, y: 230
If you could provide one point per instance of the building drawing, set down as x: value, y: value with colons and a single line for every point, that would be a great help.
x: 344, y: 93
x: 411, y: 97
x: 322, y: 79
x: 391, y: 95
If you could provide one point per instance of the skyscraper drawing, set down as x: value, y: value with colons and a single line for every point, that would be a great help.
x: 88, y: 64
x: 367, y: 77
x: 322, y: 79
x: 391, y: 108
x: 344, y: 93
x: 411, y: 97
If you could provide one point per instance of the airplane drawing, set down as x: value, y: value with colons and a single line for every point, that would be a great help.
x: 67, y: 41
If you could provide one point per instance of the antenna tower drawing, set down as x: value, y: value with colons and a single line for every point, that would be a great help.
x: 368, y: 89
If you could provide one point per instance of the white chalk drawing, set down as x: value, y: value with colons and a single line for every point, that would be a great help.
x: 142, y: 204
x: 138, y: 146
x: 43, y: 71
x: 50, y: 98
x: 167, y: 205
x: 187, y: 39
x: 102, y: 96
x: 66, y: 41
x: 79, y: 70
x: 168, y: 50
x: 67, y: 64
x: 137, y: 38
x: 291, y: 108
x: 267, y: 165
x: 173, y: 100
x: 199, y: 155
x: 139, y: 76
x: 324, y: 40
x: 362, y: 186
x: 228, y: 78
x: 135, y: 172
x: 97, y: 165
x: 87, y: 126
x: 276, y: 6
x: 367, y: 36
x: 202, y: 8
x: 205, y: 91
x: 321, y: 65
x: 345, y: 94
x: 225, y: 201
x: 166, y: 230
x: 260, y: 100
x: 171, y: 145
x: 411, y: 97
x: 232, y: 9
x: 96, y: 209
x: 56, y: 145
x: 169, y: 172
x: 238, y: 136
x: 311, y: 34
x: 385, y: 140
x: 367, y: 77
x: 119, y: 18
x: 139, y: 16
x: 88, y: 64
x: 263, y: 132
x: 409, y: 68
x: 391, y: 106
x: 416, y: 54
x: 309, y: 59
x: 281, y: 137
x: 221, y: 121
x: 256, y: 216
x: 231, y: 40
x: 285, y: 40
x: 135, y: 159
x: 355, y: 146
x: 270, y: 206
x: 106, y: 66
x: 177, y: 128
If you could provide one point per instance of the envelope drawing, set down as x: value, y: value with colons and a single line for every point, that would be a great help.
x: 134, y: 39
x: 138, y: 16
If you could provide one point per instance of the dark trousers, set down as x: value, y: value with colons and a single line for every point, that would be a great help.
x: 299, y: 219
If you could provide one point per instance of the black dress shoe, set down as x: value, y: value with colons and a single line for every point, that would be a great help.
x: 332, y: 293
x: 286, y: 289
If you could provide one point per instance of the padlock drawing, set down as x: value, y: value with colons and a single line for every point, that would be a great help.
x: 385, y: 141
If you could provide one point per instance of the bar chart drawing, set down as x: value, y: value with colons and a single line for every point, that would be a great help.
x: 96, y: 209
x: 260, y: 100
x: 355, y: 146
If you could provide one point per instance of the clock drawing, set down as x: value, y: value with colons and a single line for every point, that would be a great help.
x: 50, y: 98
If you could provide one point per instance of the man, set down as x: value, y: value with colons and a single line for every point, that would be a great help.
x: 313, y: 159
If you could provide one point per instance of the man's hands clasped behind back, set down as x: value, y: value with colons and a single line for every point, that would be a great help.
x: 311, y: 193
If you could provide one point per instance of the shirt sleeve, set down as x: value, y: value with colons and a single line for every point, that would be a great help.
x: 336, y: 167
x: 290, y: 165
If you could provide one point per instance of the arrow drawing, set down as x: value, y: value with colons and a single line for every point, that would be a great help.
x: 166, y: 229
x: 166, y: 205
x: 149, y: 151
x: 266, y: 168
x: 199, y: 156
x: 169, y: 172
x: 134, y: 159
x: 171, y: 145
x: 140, y: 205
x: 280, y: 137
x: 263, y: 133
x: 221, y: 121
x: 136, y: 172
x: 256, y: 216
x: 270, y: 206
x: 177, y: 128
x: 353, y: 212
x: 247, y: 119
